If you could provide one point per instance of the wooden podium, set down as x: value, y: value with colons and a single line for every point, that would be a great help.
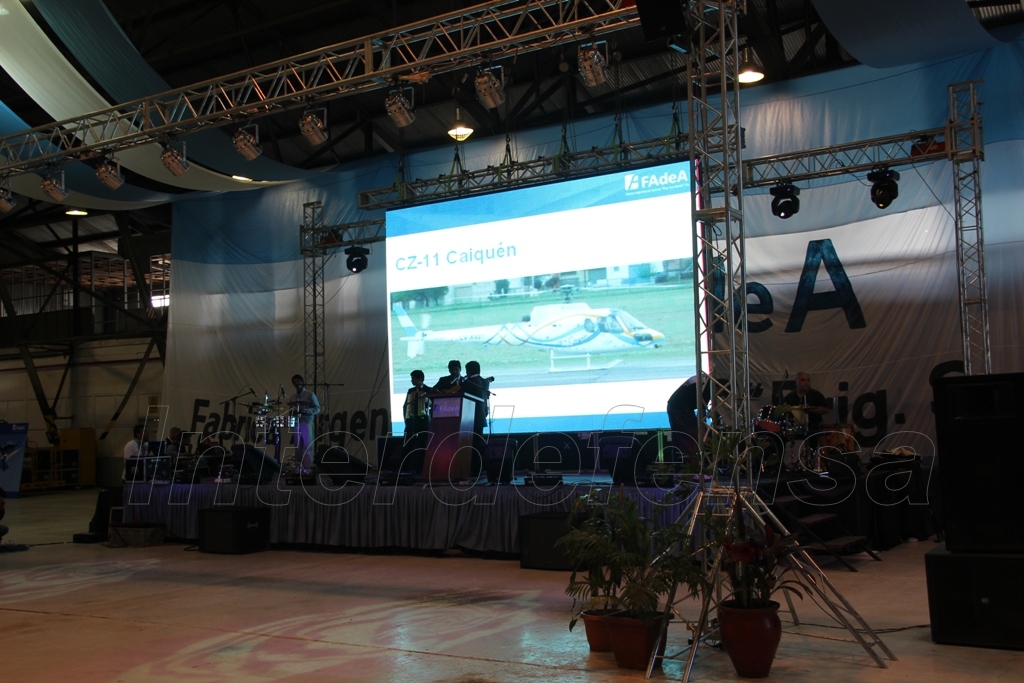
x: 450, y: 450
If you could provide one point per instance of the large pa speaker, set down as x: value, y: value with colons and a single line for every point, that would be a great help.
x: 342, y: 466
x: 500, y: 459
x: 977, y: 429
x: 234, y: 530
x: 662, y: 19
x: 537, y: 536
x: 975, y: 599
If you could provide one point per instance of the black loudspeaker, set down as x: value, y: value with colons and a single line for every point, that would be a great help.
x: 662, y: 19
x: 234, y: 530
x: 975, y: 599
x: 337, y: 460
x: 977, y: 429
x: 537, y: 536
x: 617, y: 455
x: 499, y: 460
x: 254, y: 465
x: 108, y: 498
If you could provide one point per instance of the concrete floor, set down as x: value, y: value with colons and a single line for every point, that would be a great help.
x: 90, y: 613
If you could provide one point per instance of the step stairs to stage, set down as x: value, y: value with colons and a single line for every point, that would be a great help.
x: 819, y: 531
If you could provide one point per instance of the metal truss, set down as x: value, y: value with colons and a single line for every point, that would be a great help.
x: 718, y: 241
x: 525, y: 173
x: 966, y: 150
x: 853, y: 157
x: 412, y: 53
x: 313, y: 296
x: 318, y: 244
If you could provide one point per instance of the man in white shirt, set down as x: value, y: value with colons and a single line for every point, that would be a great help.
x: 305, y: 406
x: 133, y: 449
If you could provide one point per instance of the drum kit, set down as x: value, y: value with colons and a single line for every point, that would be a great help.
x: 783, y: 429
x: 268, y: 416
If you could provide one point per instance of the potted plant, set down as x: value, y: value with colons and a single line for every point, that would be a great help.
x: 631, y: 563
x: 754, y: 564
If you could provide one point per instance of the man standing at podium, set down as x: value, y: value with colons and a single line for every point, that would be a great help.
x: 305, y: 405
x: 450, y: 382
x: 478, y: 387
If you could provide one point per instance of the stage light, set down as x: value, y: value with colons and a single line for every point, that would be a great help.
x: 174, y: 160
x: 76, y: 212
x: 592, y: 67
x: 884, y: 188
x: 749, y: 71
x: 6, y: 197
x: 110, y: 175
x: 399, y: 108
x: 785, y: 203
x: 247, y: 143
x: 54, y: 188
x: 313, y: 127
x: 460, y: 130
x: 489, y: 89
x: 357, y: 261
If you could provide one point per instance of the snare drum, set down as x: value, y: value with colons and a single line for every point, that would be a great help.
x: 284, y: 421
x: 766, y: 422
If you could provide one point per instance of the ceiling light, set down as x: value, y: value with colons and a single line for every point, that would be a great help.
x: 593, y: 67
x: 489, y: 89
x: 313, y: 127
x: 785, y: 203
x: 6, y: 198
x: 399, y: 109
x: 242, y: 178
x: 460, y: 130
x: 76, y: 212
x: 174, y: 160
x: 110, y: 175
x: 54, y: 188
x: 749, y: 71
x: 884, y: 188
x: 246, y: 143
x: 357, y: 260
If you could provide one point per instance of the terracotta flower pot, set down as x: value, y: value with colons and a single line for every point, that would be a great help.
x: 597, y: 630
x: 750, y: 636
x: 633, y: 640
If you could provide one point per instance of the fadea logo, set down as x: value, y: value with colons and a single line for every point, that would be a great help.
x: 635, y: 181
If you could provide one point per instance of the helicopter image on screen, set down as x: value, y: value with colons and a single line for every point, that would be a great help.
x: 571, y: 327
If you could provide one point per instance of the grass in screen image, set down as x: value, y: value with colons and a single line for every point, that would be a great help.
x: 666, y: 308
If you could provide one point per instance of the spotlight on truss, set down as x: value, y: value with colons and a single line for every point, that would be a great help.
x: 489, y: 88
x: 400, y: 108
x: 110, y: 174
x: 247, y: 142
x: 54, y: 188
x: 174, y: 159
x: 313, y: 127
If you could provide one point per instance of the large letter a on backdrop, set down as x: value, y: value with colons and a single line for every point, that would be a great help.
x: 818, y: 252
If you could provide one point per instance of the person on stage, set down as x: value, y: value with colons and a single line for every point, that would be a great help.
x: 417, y: 422
x: 682, y: 414
x: 136, y: 448
x: 813, y: 402
x: 451, y: 382
x: 305, y: 406
x: 479, y: 387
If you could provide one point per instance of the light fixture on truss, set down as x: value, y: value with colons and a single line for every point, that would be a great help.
x: 593, y: 66
x: 490, y: 89
x: 54, y: 188
x: 6, y: 196
x: 110, y: 174
x: 247, y: 142
x: 400, y: 108
x: 174, y: 159
x: 313, y: 127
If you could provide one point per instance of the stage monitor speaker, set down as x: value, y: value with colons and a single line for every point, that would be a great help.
x: 107, y: 499
x: 661, y: 19
x: 538, y: 534
x: 234, y: 530
x: 389, y: 452
x: 255, y: 466
x: 977, y: 429
x: 337, y: 460
x: 975, y: 599
x: 499, y: 460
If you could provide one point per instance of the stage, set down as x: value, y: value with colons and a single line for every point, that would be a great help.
x: 486, y: 518
x: 480, y: 518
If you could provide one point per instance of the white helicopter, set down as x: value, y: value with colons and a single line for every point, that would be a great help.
x: 573, y: 327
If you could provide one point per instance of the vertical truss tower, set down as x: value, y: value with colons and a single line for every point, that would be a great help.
x: 718, y: 239
x: 966, y: 150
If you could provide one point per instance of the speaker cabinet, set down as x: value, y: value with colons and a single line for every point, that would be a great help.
x: 661, y: 19
x: 975, y: 599
x: 977, y: 429
x: 234, y: 530
x: 537, y: 536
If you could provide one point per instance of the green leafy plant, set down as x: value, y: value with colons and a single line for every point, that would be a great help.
x: 624, y: 561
